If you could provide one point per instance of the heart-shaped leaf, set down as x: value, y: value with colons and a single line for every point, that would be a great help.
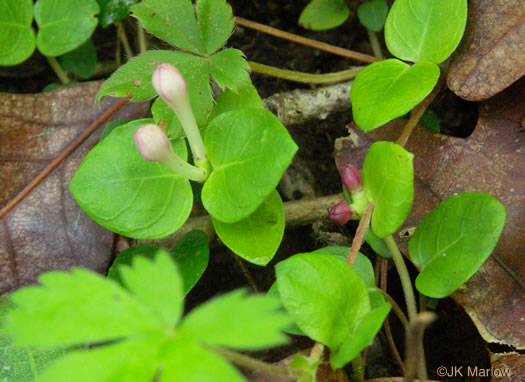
x: 17, y: 40
x: 324, y: 14
x: 64, y: 25
x: 454, y: 240
x: 388, y: 180
x: 428, y: 30
x: 389, y: 89
x: 257, y: 237
x: 127, y: 194
x: 250, y: 150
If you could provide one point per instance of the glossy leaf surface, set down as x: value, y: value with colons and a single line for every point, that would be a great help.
x: 425, y: 30
x: 389, y: 89
x: 257, y: 237
x: 17, y: 40
x: 250, y: 150
x: 64, y: 25
x: 324, y: 14
x: 113, y: 10
x: 388, y: 180
x: 153, y: 201
x: 454, y: 240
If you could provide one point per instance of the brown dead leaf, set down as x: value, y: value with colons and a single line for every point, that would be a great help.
x: 48, y: 230
x: 507, y: 367
x: 492, y: 53
x: 491, y: 160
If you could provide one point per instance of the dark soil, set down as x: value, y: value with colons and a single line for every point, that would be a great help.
x: 453, y: 340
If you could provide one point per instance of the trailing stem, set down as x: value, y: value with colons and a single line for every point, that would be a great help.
x: 301, y: 77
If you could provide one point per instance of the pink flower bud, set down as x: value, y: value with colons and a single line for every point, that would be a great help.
x: 341, y: 213
x: 152, y: 143
x: 170, y: 85
x: 350, y: 177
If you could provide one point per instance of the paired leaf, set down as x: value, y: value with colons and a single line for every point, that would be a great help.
x: 257, y: 237
x: 425, y: 30
x: 324, y: 296
x: 372, y: 14
x: 17, y: 40
x: 250, y: 150
x: 389, y: 89
x: 64, y: 25
x: 239, y: 322
x: 172, y: 21
x: 388, y: 180
x: 113, y: 10
x: 230, y: 69
x: 82, y: 61
x: 454, y: 240
x: 153, y: 201
x: 324, y: 14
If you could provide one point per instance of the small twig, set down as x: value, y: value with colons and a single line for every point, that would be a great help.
x: 307, y: 78
x: 402, y: 270
x: 360, y: 234
x: 395, y: 307
x: 418, y: 112
x: 306, y: 41
x: 376, y: 45
x: 124, y: 38
x: 102, y: 119
x: 61, y: 74
x: 256, y: 365
x: 141, y: 37
x: 357, y: 367
x: 317, y: 352
x: 414, y: 343
x: 247, y: 275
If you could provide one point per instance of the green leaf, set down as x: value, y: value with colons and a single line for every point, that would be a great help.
x: 64, y: 25
x: 216, y: 23
x: 244, y: 97
x: 250, y: 150
x: 164, y: 115
x: 372, y: 14
x: 230, y: 69
x: 388, y: 180
x: 110, y: 126
x: 307, y: 366
x: 239, y: 322
x: 21, y: 363
x: 360, y: 337
x: 425, y: 30
x: 17, y: 40
x: 113, y: 10
x: 189, y: 362
x: 156, y: 284
x: 430, y: 121
x: 453, y: 241
x: 389, y: 89
x: 325, y: 296
x: 75, y: 308
x: 82, y: 61
x: 321, y: 15
x: 172, y: 21
x: 191, y: 253
x: 378, y: 245
x: 153, y: 201
x: 257, y: 237
x: 125, y: 361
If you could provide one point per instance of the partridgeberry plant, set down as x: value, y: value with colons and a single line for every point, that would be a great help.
x: 239, y: 150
